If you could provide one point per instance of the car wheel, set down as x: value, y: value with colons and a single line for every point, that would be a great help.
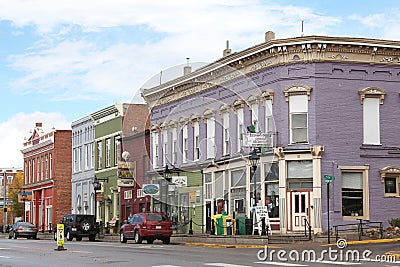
x: 92, y: 238
x: 9, y: 235
x: 150, y: 241
x: 78, y: 238
x: 85, y: 226
x: 28, y: 237
x: 55, y: 236
x: 138, y: 238
x: 69, y: 236
x: 35, y: 237
x: 15, y: 235
x: 166, y: 240
x: 122, y: 238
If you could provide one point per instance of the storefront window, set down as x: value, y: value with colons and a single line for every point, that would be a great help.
x: 272, y: 188
x: 352, y: 194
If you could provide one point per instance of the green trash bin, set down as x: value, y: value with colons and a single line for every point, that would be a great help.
x: 220, y: 225
x: 241, y: 223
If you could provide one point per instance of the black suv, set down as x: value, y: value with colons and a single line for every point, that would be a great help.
x: 78, y: 226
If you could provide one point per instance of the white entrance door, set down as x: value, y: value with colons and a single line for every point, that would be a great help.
x: 300, y: 209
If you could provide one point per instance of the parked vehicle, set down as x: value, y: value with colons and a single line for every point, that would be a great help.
x: 23, y: 229
x: 147, y: 226
x: 78, y: 226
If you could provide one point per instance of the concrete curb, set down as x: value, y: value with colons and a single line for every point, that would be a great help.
x: 369, y: 241
x: 227, y: 245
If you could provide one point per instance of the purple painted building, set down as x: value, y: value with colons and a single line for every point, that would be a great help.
x: 326, y: 107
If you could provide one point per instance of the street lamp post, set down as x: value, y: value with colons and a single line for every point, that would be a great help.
x: 254, y: 159
x: 4, y: 203
x: 96, y: 187
x: 167, y: 179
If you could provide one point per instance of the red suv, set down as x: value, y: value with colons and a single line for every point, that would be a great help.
x: 147, y: 226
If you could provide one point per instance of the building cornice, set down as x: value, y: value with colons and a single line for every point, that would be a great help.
x: 275, y: 53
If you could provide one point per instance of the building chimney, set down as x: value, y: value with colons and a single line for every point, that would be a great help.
x: 187, y: 69
x: 269, y: 35
x: 227, y: 51
x: 39, y: 124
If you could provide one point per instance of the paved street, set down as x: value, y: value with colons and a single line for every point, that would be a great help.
x: 23, y: 252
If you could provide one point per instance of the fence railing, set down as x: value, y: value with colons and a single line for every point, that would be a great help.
x: 359, y: 227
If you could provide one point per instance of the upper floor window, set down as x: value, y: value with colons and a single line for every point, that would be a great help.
x: 174, y: 145
x: 117, y: 149
x: 371, y: 98
x: 196, y: 140
x: 298, y: 97
x: 99, y: 155
x: 185, y: 144
x: 165, y: 147
x: 108, y: 152
x: 154, y: 148
x: 253, y: 102
x: 209, y: 119
x: 225, y: 133
x: 238, y: 107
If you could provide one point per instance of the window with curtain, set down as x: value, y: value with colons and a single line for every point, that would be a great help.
x: 352, y: 194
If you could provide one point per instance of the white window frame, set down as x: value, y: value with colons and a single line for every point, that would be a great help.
x: 196, y: 141
x: 240, y: 128
x: 174, y: 145
x: 298, y: 105
x: 155, y: 149
x: 365, y: 173
x: 99, y: 155
x: 269, y: 120
x: 371, y: 122
x: 225, y: 129
x: 185, y: 144
x: 108, y: 152
x: 211, y: 138
x: 255, y: 117
x: 165, y: 147
x: 117, y: 149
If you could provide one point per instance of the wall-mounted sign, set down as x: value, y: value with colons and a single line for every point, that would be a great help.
x: 24, y: 196
x: 179, y: 180
x: 126, y: 182
x: 257, y: 140
x: 151, y: 189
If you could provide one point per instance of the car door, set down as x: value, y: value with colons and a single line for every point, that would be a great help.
x: 129, y: 227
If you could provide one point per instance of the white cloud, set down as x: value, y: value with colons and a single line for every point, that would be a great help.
x: 374, y: 20
x: 15, y: 129
x: 72, y: 67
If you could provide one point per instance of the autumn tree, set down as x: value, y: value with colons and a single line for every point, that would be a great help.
x: 17, y: 208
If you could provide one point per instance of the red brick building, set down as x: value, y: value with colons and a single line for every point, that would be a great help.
x: 136, y: 141
x: 47, y: 174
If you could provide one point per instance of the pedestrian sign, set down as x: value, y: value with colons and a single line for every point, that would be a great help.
x: 60, y: 237
x: 329, y: 179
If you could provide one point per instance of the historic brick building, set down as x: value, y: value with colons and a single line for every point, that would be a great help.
x: 330, y: 107
x: 47, y: 174
x: 136, y: 145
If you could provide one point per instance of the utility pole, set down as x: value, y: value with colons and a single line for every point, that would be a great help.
x: 4, y: 202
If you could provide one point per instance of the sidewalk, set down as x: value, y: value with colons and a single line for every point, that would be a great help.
x: 239, y: 241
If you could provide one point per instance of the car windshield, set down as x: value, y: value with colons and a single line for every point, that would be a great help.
x: 156, y: 218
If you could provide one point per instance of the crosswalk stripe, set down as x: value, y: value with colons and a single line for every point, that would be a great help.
x: 4, y: 257
x: 280, y: 263
x: 221, y: 264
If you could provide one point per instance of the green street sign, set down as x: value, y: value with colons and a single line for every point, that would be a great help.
x: 329, y: 179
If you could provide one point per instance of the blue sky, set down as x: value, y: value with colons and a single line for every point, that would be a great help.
x: 62, y: 60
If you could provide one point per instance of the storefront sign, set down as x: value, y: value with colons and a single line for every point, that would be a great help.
x: 261, y: 212
x: 257, y: 140
x: 179, y: 180
x: 151, y: 189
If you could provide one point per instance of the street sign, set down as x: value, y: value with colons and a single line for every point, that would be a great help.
x: 329, y: 179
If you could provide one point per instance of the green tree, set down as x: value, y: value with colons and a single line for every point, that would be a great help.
x: 17, y: 208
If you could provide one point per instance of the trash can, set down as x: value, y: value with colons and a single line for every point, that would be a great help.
x: 241, y: 225
x: 220, y: 225
x: 228, y: 225
x: 249, y: 226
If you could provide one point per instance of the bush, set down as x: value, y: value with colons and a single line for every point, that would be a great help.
x: 394, y: 222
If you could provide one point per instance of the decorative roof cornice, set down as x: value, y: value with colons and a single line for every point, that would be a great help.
x: 275, y: 52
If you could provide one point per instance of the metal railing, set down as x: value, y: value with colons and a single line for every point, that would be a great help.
x: 359, y: 227
x: 307, y: 228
